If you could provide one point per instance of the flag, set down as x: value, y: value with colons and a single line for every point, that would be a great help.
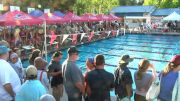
x: 53, y: 37
x: 90, y: 36
x: 74, y: 39
x: 82, y: 35
x: 65, y: 37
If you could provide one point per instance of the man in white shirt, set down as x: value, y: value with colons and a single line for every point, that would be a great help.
x: 9, y: 80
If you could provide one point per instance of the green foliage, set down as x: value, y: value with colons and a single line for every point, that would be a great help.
x: 163, y: 3
x: 94, y: 6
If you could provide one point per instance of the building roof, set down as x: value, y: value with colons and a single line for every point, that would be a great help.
x: 134, y: 9
x: 165, y: 12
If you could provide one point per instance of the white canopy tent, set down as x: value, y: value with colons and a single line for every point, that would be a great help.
x: 172, y: 17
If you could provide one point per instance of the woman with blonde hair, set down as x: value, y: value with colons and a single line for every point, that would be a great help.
x: 169, y: 76
x: 143, y: 79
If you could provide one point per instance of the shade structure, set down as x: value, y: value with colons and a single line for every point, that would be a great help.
x: 89, y: 17
x: 58, y: 13
x: 172, y: 17
x: 36, y: 13
x: 113, y: 17
x: 103, y: 17
x: 51, y: 18
x: 18, y: 18
x: 71, y: 17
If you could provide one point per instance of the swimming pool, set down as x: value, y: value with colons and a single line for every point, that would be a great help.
x: 157, y: 48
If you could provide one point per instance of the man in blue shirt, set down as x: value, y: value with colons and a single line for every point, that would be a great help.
x: 32, y: 89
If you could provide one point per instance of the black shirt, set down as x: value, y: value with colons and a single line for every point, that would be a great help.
x: 55, y: 67
x: 100, y: 83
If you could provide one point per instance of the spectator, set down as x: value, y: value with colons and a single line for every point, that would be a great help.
x: 47, y: 97
x: 9, y: 80
x: 41, y: 64
x: 99, y: 81
x: 123, y: 79
x: 35, y: 53
x: 143, y: 79
x: 73, y: 77
x: 32, y: 89
x: 169, y: 77
x: 17, y: 66
x: 56, y: 72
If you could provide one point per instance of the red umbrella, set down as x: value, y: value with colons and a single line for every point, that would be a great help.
x: 102, y: 17
x: 71, y: 17
x: 113, y: 17
x: 18, y: 18
x: 89, y: 17
x: 51, y: 18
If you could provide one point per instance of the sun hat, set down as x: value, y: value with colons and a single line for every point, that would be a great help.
x: 176, y: 59
x: 72, y: 50
x: 47, y: 97
x: 4, y: 49
x: 31, y: 71
x: 13, y: 55
x: 125, y: 59
x: 40, y: 63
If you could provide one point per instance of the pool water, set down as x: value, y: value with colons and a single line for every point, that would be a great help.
x: 157, y: 48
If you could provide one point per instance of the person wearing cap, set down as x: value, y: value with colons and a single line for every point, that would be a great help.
x: 41, y: 64
x: 32, y: 89
x: 17, y: 65
x: 168, y: 79
x: 55, y: 71
x: 143, y: 79
x: 123, y: 79
x: 9, y: 80
x: 47, y: 97
x: 99, y: 81
x: 35, y: 53
x: 72, y: 76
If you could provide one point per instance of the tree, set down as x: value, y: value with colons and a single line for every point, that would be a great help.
x: 163, y: 3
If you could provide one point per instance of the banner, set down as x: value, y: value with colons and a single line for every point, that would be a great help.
x: 64, y: 38
x: 46, y: 10
x: 13, y: 8
x: 30, y: 9
x: 82, y: 35
x: 1, y: 7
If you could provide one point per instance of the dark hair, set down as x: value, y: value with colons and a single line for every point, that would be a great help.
x: 57, y: 54
x: 99, y: 59
x: 34, y: 54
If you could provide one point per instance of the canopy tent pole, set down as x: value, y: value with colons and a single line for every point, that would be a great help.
x: 45, y: 40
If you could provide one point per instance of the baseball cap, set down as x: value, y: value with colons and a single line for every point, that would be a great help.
x: 13, y: 55
x: 4, y: 49
x: 31, y: 71
x: 47, y: 97
x: 176, y: 59
x: 125, y: 59
x: 72, y: 50
x: 91, y: 60
x: 40, y: 63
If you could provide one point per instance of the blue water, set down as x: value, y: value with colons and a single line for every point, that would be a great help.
x: 157, y: 48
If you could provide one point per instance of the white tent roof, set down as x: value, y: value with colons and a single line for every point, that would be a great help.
x: 172, y: 17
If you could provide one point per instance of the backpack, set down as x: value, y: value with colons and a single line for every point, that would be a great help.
x: 119, y: 85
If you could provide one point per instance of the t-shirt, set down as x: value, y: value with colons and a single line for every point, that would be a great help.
x: 55, y: 67
x: 8, y: 75
x: 167, y: 84
x: 71, y: 75
x: 100, y: 83
x: 31, y: 90
x: 143, y: 85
